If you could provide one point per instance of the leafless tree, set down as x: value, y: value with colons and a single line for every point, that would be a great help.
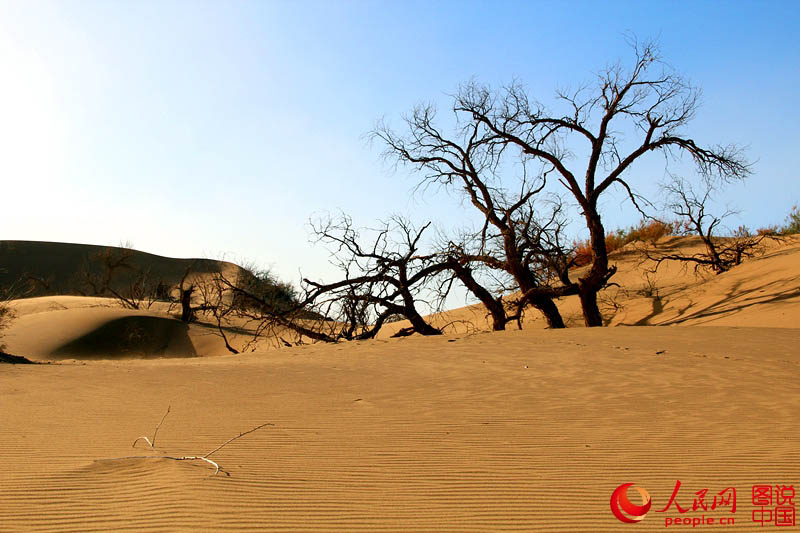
x: 384, y: 274
x: 537, y: 274
x: 250, y: 302
x: 692, y: 207
x: 215, y: 299
x: 513, y: 237
x: 384, y: 277
x: 647, y: 102
x: 209, y: 291
x: 113, y: 272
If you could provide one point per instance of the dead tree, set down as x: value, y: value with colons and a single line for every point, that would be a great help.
x: 113, y: 272
x: 510, y: 238
x: 692, y: 207
x: 480, y: 262
x: 384, y: 277
x: 233, y: 301
x: 648, y: 103
x: 246, y: 303
x: 465, y: 271
x: 186, y: 297
x: 216, y: 300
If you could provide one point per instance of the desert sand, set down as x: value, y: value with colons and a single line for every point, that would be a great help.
x: 527, y: 430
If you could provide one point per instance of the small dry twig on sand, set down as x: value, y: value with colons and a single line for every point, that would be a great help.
x: 151, y: 443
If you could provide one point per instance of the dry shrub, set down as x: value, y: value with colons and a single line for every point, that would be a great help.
x: 792, y: 224
x: 644, y: 231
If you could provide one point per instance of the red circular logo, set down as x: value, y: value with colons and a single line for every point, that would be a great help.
x: 624, y: 510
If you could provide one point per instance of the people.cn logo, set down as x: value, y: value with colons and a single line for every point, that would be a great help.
x: 624, y: 509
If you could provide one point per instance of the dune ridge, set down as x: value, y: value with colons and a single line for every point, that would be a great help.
x: 58, y: 266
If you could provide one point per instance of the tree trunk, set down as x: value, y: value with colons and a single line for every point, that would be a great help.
x: 419, y: 324
x: 527, y: 282
x: 187, y: 313
x: 494, y: 307
x: 422, y: 327
x: 598, y: 274
x: 591, y: 312
x: 548, y: 308
x: 410, y: 310
x: 711, y: 249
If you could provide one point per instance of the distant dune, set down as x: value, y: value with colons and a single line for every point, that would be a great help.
x: 56, y: 267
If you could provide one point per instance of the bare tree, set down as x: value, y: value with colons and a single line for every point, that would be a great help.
x: 384, y: 277
x: 210, y: 295
x: 384, y: 274
x: 246, y: 303
x: 214, y: 299
x: 692, y: 206
x: 512, y: 239
x: 648, y: 102
x: 537, y: 274
x: 465, y: 271
x: 113, y: 272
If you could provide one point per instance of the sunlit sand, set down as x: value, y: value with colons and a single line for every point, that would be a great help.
x: 515, y: 430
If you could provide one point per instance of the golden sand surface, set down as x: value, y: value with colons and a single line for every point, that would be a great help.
x: 526, y: 430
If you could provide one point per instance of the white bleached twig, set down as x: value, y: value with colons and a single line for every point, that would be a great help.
x: 204, y: 458
x: 152, y: 442
x: 240, y: 435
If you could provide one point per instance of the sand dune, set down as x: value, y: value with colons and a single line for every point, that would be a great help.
x: 60, y: 267
x: 526, y: 430
x: 763, y: 291
x: 72, y: 327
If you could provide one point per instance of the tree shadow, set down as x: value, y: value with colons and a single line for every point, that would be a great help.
x: 658, y: 308
x: 734, y: 300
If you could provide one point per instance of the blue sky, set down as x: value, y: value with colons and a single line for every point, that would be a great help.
x: 219, y: 128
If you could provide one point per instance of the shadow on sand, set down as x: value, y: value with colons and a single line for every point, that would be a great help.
x: 131, y: 336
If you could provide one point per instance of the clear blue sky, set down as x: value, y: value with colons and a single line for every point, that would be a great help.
x: 208, y: 128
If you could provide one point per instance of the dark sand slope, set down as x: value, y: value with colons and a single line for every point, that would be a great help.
x: 131, y: 336
x: 60, y: 265
x: 514, y: 431
x: 65, y: 327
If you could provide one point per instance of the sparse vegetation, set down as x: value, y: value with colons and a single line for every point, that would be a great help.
x: 252, y: 297
x: 113, y: 272
x: 648, y: 99
x: 384, y: 273
x: 6, y: 315
x: 511, y: 159
x: 517, y: 258
x: 792, y: 224
x: 693, y: 209
x: 646, y: 231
